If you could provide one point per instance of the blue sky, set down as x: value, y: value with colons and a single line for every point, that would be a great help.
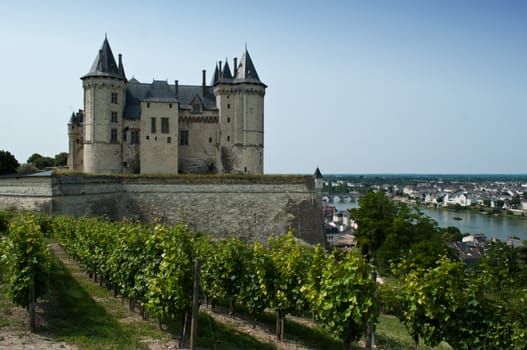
x: 354, y: 86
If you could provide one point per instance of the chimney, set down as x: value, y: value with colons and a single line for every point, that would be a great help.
x: 203, y: 81
x: 100, y: 64
x: 176, y: 86
x: 235, y: 68
x: 121, y: 68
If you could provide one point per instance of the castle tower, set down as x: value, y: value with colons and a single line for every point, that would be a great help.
x: 319, y: 179
x: 75, y: 133
x: 240, y: 101
x: 104, y: 100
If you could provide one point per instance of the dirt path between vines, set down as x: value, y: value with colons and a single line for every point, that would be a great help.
x: 15, y: 334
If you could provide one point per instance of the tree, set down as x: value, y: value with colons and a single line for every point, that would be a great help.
x: 388, y: 230
x: 346, y: 300
x: 374, y: 218
x: 451, y: 234
x: 8, y: 163
x: 40, y: 161
x: 61, y: 159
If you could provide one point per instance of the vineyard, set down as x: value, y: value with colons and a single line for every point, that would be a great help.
x: 152, y: 267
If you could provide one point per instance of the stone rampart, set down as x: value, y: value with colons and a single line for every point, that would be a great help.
x: 26, y: 193
x: 252, y: 208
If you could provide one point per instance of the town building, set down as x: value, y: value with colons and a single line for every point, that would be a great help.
x: 128, y: 126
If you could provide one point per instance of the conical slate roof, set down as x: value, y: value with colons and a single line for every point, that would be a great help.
x: 216, y: 75
x: 226, y: 74
x: 246, y: 71
x: 104, y: 64
x: 318, y: 174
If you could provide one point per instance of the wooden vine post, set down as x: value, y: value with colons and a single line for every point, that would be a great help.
x: 195, y: 306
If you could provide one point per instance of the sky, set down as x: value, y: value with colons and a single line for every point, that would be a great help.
x: 355, y: 87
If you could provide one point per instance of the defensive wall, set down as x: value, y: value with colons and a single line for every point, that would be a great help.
x: 250, y: 207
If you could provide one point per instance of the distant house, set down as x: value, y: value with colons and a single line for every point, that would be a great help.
x: 475, y: 237
x: 459, y: 198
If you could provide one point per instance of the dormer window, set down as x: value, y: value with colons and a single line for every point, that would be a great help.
x: 196, y: 108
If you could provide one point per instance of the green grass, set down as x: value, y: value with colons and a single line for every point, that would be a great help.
x: 82, y: 313
x: 392, y: 335
x: 214, y: 335
x: 73, y: 316
x: 194, y: 178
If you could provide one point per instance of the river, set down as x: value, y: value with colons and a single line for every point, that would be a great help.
x: 501, y: 227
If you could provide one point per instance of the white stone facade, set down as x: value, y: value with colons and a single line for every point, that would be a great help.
x: 161, y: 128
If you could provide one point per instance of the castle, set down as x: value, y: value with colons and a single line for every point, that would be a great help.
x: 160, y: 128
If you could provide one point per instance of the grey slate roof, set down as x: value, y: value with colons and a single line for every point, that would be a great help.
x: 77, y: 118
x: 318, y: 174
x: 161, y: 91
x: 244, y: 73
x: 226, y: 74
x: 104, y: 64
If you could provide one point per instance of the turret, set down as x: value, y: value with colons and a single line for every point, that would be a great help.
x: 104, y: 100
x: 240, y: 100
x: 75, y: 154
x: 319, y: 179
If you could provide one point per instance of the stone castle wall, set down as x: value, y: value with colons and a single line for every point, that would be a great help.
x: 251, y: 208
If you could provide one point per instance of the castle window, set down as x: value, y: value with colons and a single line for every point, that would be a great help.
x: 228, y: 105
x: 183, y: 137
x: 113, y: 136
x: 228, y: 120
x: 114, y: 117
x: 147, y: 137
x: 164, y: 125
x: 148, y: 105
x: 134, y: 136
x: 210, y: 139
x: 170, y: 105
x: 114, y: 97
x: 228, y: 138
x: 169, y: 139
x: 196, y: 108
x: 153, y: 125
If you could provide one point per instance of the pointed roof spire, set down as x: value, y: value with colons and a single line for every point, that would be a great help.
x: 104, y: 64
x: 226, y: 73
x: 318, y: 174
x: 246, y: 71
x: 216, y: 75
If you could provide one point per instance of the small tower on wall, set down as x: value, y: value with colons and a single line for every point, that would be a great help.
x: 75, y: 133
x: 240, y: 101
x: 104, y: 100
x: 319, y: 179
